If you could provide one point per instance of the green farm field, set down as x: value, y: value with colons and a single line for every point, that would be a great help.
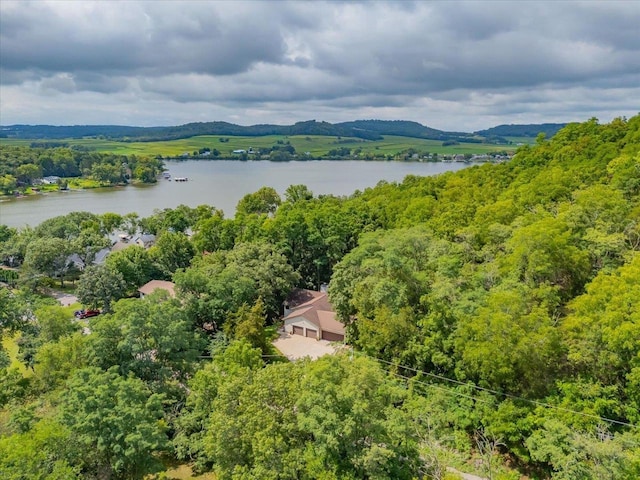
x: 316, y: 145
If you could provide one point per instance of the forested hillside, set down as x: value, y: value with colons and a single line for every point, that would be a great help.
x: 365, y: 129
x: 531, y: 130
x: 494, y: 315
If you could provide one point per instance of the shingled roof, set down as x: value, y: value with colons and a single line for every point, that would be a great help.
x: 149, y: 287
x: 315, y: 308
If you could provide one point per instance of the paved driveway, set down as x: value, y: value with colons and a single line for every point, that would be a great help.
x: 295, y: 347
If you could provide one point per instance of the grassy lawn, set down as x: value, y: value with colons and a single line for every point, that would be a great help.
x: 522, y: 140
x: 314, y: 144
x: 76, y: 182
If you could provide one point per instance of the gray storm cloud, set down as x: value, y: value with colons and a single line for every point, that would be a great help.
x: 342, y: 59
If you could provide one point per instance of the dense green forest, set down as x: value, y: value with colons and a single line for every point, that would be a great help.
x: 494, y: 315
x: 530, y: 130
x: 22, y: 166
x: 364, y: 129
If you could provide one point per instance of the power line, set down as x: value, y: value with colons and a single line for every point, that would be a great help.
x: 474, y: 386
x: 451, y: 392
x: 495, y: 392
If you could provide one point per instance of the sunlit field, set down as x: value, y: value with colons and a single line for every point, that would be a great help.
x: 316, y: 145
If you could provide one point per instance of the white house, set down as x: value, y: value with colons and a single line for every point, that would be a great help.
x: 50, y: 180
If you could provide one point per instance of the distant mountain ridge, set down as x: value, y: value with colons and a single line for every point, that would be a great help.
x: 365, y: 129
x: 516, y: 130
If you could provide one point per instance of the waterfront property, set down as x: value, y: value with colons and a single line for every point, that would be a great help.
x: 220, y: 183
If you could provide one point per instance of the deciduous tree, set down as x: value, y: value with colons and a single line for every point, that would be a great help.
x: 115, y: 418
x: 99, y: 286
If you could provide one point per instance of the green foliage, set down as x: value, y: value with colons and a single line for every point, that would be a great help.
x: 55, y: 362
x: 149, y: 338
x: 109, y: 222
x: 27, y: 173
x: 218, y: 284
x: 505, y: 295
x: 135, y: 265
x: 247, y: 323
x: 367, y: 129
x: 88, y: 243
x: 115, y: 418
x: 336, y: 415
x: 547, y: 129
x: 8, y: 184
x: 107, y: 173
x: 510, y: 344
x: 603, y: 329
x: 298, y: 193
x: 67, y: 227
x: 236, y: 360
x: 54, y: 323
x: 43, y: 453
x: 214, y: 233
x: 14, y: 248
x: 264, y: 201
x: 177, y: 219
x: 26, y: 164
x: 46, y: 256
x: 99, y: 286
x: 172, y: 251
x: 347, y: 406
x: 574, y: 454
x: 12, y: 311
x: 12, y: 384
x: 257, y: 435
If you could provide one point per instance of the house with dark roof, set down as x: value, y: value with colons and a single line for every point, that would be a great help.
x: 77, y: 262
x: 145, y: 240
x: 310, y: 314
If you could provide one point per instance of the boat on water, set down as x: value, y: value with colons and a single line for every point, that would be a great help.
x: 180, y: 179
x: 166, y: 175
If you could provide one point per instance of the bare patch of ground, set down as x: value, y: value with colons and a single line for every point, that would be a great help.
x: 65, y: 299
x: 295, y: 347
x: 183, y: 472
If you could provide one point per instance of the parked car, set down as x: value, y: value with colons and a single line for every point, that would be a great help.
x: 88, y: 313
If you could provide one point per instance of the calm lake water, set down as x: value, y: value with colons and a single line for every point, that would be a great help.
x: 220, y: 183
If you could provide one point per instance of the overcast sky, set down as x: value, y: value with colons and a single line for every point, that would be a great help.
x: 449, y: 65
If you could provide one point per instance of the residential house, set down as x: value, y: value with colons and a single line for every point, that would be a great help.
x: 145, y: 240
x: 310, y: 314
x: 121, y: 245
x: 149, y: 287
x: 50, y: 180
x: 78, y: 263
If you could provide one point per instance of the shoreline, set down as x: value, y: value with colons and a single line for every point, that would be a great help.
x: 31, y: 194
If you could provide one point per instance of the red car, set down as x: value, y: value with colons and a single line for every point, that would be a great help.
x: 88, y: 313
